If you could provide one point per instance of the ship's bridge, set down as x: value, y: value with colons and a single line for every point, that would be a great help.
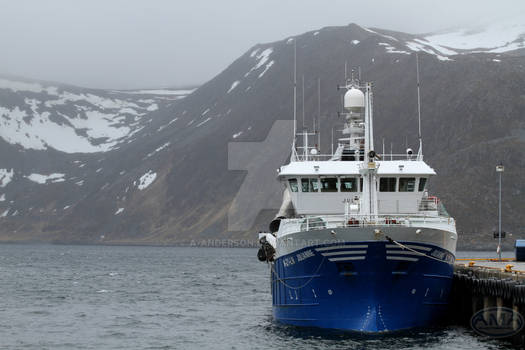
x: 333, y: 187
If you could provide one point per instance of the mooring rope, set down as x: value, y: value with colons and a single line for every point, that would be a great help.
x: 302, y: 286
x: 412, y: 250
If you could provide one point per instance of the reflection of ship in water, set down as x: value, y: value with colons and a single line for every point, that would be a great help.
x: 358, y: 244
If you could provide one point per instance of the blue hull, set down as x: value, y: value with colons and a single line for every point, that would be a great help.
x: 362, y: 286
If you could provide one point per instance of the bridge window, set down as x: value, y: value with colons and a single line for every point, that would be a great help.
x: 309, y: 185
x: 348, y: 184
x: 387, y: 184
x: 422, y: 184
x: 407, y: 184
x: 329, y: 184
x: 293, y: 185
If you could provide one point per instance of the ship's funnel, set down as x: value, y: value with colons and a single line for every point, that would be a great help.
x: 354, y: 100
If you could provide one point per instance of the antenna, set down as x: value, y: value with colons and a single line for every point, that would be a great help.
x: 318, y: 97
x: 294, y: 91
x: 332, y: 141
x: 420, y: 152
x: 303, y: 100
x: 346, y: 72
x: 319, y: 134
x: 359, y: 72
x: 383, y: 147
x: 319, y: 112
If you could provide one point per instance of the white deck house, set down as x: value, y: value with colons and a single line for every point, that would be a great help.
x: 325, y: 187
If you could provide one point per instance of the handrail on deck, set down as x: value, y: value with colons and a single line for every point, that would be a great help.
x: 384, y: 157
x: 320, y: 222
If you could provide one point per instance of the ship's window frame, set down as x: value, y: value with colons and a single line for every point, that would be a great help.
x: 291, y: 183
x: 328, y: 180
x: 424, y: 181
x: 312, y: 184
x: 353, y: 181
x: 406, y: 183
x: 389, y: 186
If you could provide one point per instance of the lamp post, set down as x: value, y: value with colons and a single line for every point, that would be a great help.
x: 499, y: 169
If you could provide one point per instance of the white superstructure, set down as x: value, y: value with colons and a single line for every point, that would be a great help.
x: 356, y: 194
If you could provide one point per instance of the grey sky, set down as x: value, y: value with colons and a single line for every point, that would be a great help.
x: 156, y: 43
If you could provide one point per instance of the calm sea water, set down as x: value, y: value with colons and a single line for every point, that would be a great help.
x: 101, y: 297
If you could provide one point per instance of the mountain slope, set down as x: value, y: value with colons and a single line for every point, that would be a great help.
x: 167, y: 179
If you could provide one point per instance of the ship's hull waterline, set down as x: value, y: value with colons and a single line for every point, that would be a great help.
x: 368, y: 285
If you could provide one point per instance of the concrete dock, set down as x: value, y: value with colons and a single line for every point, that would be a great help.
x: 517, y: 266
x: 481, y: 284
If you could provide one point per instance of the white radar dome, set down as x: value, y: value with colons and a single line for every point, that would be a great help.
x: 354, y: 98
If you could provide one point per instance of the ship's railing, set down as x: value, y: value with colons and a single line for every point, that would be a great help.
x: 394, y: 156
x: 299, y: 157
x: 321, y: 222
x: 313, y: 158
x: 432, y: 204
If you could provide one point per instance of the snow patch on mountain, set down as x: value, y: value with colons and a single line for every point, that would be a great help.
x: 391, y: 49
x: 152, y: 107
x: 6, y: 176
x: 415, y: 46
x: 162, y: 127
x: 234, y: 85
x: 158, y: 149
x: 69, y: 121
x: 266, y: 68
x: 494, y: 38
x: 18, y: 86
x: 203, y: 122
x: 505, y: 36
x: 37, y: 130
x: 43, y: 179
x: 262, y: 58
x: 98, y: 101
x: 381, y: 34
x: 168, y: 92
x: 146, y: 180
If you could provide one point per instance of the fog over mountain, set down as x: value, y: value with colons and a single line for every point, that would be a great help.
x: 132, y: 44
x: 92, y: 166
